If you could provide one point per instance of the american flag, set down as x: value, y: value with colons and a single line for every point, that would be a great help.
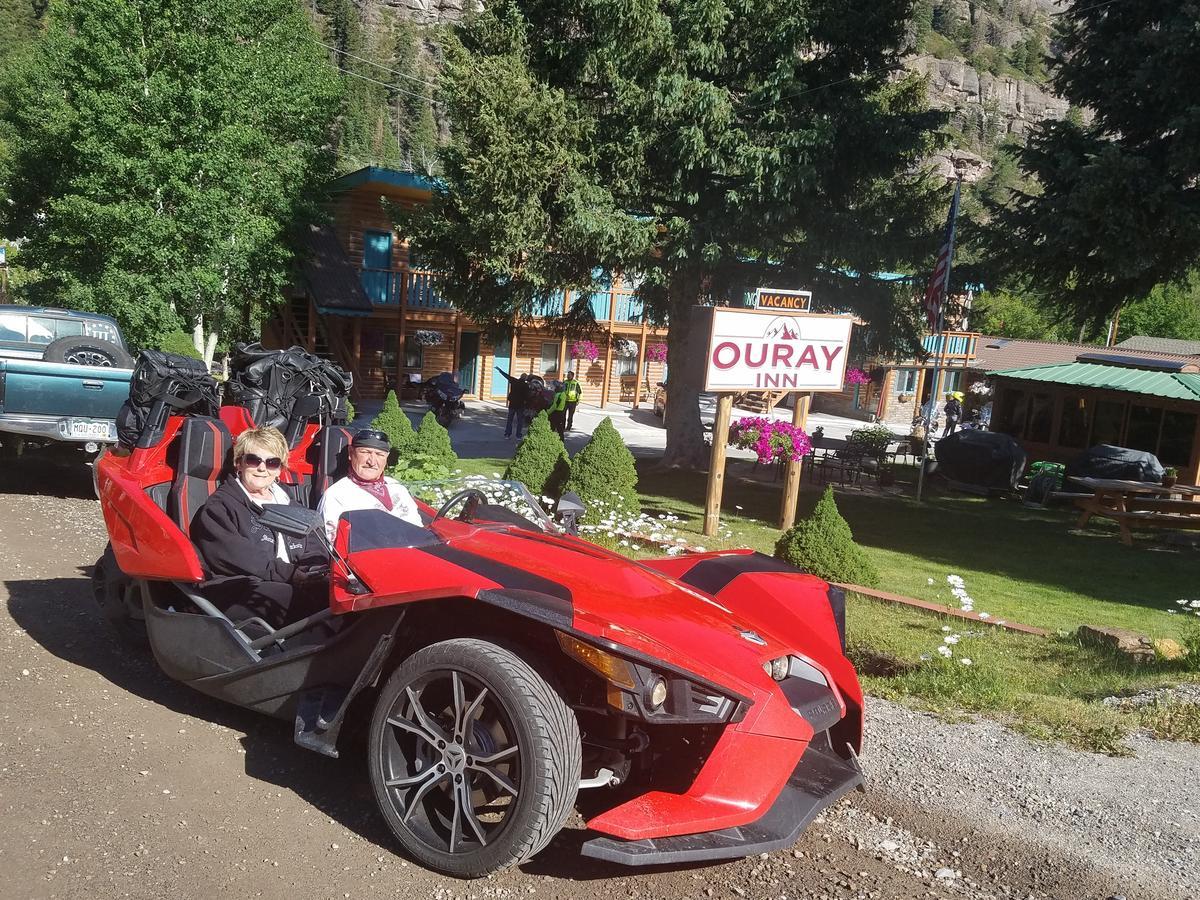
x: 935, y: 294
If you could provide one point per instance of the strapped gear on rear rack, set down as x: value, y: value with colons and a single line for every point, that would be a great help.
x: 164, y: 384
x: 287, y: 389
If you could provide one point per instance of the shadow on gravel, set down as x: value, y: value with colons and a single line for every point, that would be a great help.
x: 46, y: 477
x: 61, y: 616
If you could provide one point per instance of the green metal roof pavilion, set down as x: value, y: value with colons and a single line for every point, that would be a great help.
x: 1169, y: 385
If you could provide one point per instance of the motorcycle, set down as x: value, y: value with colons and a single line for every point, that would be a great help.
x: 444, y: 397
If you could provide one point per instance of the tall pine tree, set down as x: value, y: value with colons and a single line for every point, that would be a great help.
x: 1117, y: 208
x: 703, y: 147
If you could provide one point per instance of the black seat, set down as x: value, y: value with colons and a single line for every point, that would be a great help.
x: 331, y: 461
x: 202, y: 454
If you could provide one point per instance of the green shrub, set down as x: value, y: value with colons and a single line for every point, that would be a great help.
x: 823, y: 545
x: 541, y: 462
x: 420, y: 467
x: 603, y: 474
x: 393, y: 422
x: 871, y: 441
x: 179, y: 342
x: 433, y: 441
x: 351, y: 413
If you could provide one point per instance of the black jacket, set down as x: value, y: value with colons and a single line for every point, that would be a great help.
x: 518, y: 389
x: 232, y: 540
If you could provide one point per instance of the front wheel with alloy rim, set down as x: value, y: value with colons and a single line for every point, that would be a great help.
x: 474, y: 759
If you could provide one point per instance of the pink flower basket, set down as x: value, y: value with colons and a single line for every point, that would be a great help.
x: 770, y: 439
x: 585, y: 350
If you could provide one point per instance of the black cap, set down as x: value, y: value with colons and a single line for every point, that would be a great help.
x: 369, y: 437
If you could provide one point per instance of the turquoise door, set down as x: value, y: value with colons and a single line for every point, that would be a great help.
x: 377, y: 266
x: 503, y: 360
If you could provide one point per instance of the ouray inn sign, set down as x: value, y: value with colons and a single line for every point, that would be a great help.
x: 759, y: 350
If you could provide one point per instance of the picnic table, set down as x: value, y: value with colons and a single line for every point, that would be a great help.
x: 1141, y: 504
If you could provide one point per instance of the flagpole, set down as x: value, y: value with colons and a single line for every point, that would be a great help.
x: 944, y: 291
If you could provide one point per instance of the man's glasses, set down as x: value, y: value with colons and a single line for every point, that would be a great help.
x: 253, y: 460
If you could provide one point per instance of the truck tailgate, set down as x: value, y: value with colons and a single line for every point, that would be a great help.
x: 60, y: 389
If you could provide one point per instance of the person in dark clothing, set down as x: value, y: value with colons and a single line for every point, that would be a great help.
x: 953, y: 411
x: 517, y: 391
x: 252, y: 570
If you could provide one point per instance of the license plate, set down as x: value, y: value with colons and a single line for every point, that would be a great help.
x: 83, y: 428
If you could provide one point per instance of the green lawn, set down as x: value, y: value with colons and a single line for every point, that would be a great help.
x: 1019, y: 564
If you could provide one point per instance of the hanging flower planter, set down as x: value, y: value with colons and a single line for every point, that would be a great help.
x: 771, y: 440
x: 625, y: 348
x: 657, y: 353
x: 585, y: 350
x: 427, y: 337
x: 857, y: 376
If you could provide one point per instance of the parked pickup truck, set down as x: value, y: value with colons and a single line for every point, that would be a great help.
x: 63, y: 377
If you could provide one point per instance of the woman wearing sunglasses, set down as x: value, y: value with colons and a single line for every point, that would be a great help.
x: 253, y: 571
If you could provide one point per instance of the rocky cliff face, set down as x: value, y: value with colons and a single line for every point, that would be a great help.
x: 1007, y: 104
x: 422, y: 12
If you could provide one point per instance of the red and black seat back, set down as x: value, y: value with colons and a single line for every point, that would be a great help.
x: 331, y: 459
x: 202, y: 455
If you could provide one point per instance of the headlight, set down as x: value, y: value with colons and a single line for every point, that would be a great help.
x: 651, y: 691
x: 777, y: 668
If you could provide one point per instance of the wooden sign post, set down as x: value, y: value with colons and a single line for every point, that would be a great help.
x: 791, y: 482
x: 716, y: 467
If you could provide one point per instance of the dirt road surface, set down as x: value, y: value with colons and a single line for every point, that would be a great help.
x: 115, y: 782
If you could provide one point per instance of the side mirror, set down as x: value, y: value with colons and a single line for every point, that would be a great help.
x: 570, y: 511
x: 662, y: 384
x: 286, y: 518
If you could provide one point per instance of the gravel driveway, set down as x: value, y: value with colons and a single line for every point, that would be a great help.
x: 115, y: 782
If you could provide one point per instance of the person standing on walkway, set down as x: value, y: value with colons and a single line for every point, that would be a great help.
x: 517, y: 391
x: 574, y: 391
x: 558, y: 412
x: 953, y: 411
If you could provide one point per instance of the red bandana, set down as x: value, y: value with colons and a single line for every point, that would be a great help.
x: 377, y: 489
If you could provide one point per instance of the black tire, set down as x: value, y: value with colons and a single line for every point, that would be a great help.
x: 444, y: 417
x: 120, y: 601
x: 419, y: 736
x: 87, y: 351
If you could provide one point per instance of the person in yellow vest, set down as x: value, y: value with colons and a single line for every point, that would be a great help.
x: 574, y: 391
x: 558, y: 412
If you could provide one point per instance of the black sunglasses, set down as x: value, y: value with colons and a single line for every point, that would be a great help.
x: 253, y: 460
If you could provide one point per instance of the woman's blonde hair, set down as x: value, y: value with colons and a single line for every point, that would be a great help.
x: 267, y: 438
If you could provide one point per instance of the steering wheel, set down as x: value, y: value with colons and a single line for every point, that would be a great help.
x: 470, y: 494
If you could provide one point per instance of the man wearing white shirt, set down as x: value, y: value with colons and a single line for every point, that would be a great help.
x: 366, y: 487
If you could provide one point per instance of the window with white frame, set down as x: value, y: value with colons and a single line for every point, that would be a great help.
x: 906, y: 381
x: 550, y: 357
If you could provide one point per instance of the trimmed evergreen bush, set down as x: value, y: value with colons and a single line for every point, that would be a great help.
x: 541, y: 462
x: 604, y: 476
x: 433, y: 441
x: 393, y: 422
x: 823, y: 545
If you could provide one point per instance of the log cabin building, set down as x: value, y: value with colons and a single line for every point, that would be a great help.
x: 366, y: 303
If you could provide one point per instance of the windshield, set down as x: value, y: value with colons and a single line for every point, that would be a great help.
x: 511, y: 495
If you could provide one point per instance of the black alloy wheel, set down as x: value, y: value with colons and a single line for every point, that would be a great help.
x: 474, y: 759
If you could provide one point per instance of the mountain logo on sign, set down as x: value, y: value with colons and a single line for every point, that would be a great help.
x: 783, y: 329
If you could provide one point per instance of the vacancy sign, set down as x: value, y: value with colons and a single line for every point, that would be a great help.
x: 769, y: 350
x: 769, y: 298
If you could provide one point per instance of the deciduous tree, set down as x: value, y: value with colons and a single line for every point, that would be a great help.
x: 702, y: 147
x: 161, y: 152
